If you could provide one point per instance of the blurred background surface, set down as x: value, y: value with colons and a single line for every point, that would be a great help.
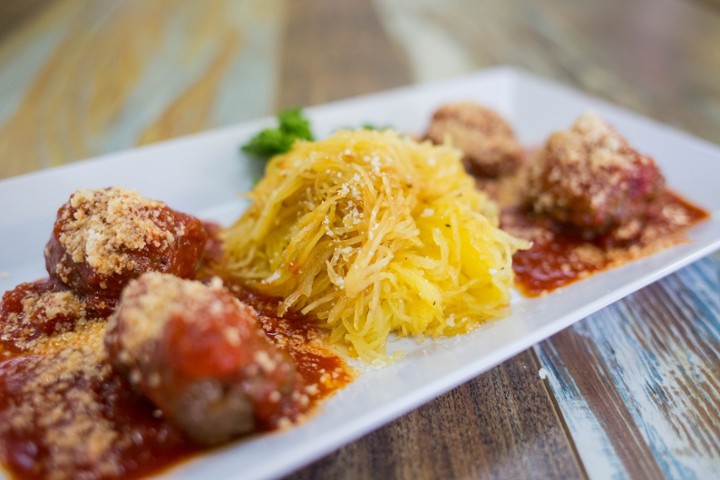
x: 79, y: 78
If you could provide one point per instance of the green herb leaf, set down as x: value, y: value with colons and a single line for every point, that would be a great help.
x: 293, y: 122
x: 292, y: 125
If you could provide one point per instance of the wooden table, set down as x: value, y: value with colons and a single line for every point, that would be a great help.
x: 632, y: 391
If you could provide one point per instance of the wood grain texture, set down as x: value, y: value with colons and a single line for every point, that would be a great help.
x: 499, y: 425
x: 334, y: 50
x: 659, y: 57
x: 90, y: 77
x: 647, y: 373
x: 14, y: 14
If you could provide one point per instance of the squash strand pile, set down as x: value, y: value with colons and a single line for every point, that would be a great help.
x: 372, y: 233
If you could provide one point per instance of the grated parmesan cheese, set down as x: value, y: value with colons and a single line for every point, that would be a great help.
x: 395, y: 243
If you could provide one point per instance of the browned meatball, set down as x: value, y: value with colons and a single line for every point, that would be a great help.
x: 486, y: 140
x: 197, y: 353
x: 588, y: 177
x: 103, y: 238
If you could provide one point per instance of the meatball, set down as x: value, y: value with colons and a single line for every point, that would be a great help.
x: 590, y: 178
x: 486, y: 140
x: 33, y: 312
x: 103, y: 238
x: 197, y: 353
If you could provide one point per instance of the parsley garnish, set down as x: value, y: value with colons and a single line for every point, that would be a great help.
x: 292, y: 125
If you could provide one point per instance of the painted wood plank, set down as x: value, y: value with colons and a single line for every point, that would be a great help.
x: 434, y: 51
x: 89, y: 77
x: 598, y: 453
x: 652, y: 56
x: 14, y: 14
x: 500, y: 425
x: 639, y: 381
x: 333, y: 50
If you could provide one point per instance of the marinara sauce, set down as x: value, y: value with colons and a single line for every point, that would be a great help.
x: 65, y: 413
x: 560, y: 256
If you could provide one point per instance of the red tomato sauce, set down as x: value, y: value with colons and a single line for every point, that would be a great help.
x: 559, y: 257
x: 65, y: 413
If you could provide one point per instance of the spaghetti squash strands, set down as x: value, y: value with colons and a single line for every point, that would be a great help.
x: 373, y: 233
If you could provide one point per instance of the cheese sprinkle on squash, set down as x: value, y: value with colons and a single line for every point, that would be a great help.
x: 374, y: 233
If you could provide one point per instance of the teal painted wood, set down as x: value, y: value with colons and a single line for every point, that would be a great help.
x: 655, y: 361
x: 84, y: 78
x: 593, y: 443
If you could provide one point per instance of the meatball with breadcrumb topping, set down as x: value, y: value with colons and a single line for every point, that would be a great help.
x: 487, y: 142
x: 198, y: 354
x: 589, y: 178
x: 103, y: 238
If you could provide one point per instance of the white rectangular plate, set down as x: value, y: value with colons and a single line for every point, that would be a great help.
x: 203, y: 175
